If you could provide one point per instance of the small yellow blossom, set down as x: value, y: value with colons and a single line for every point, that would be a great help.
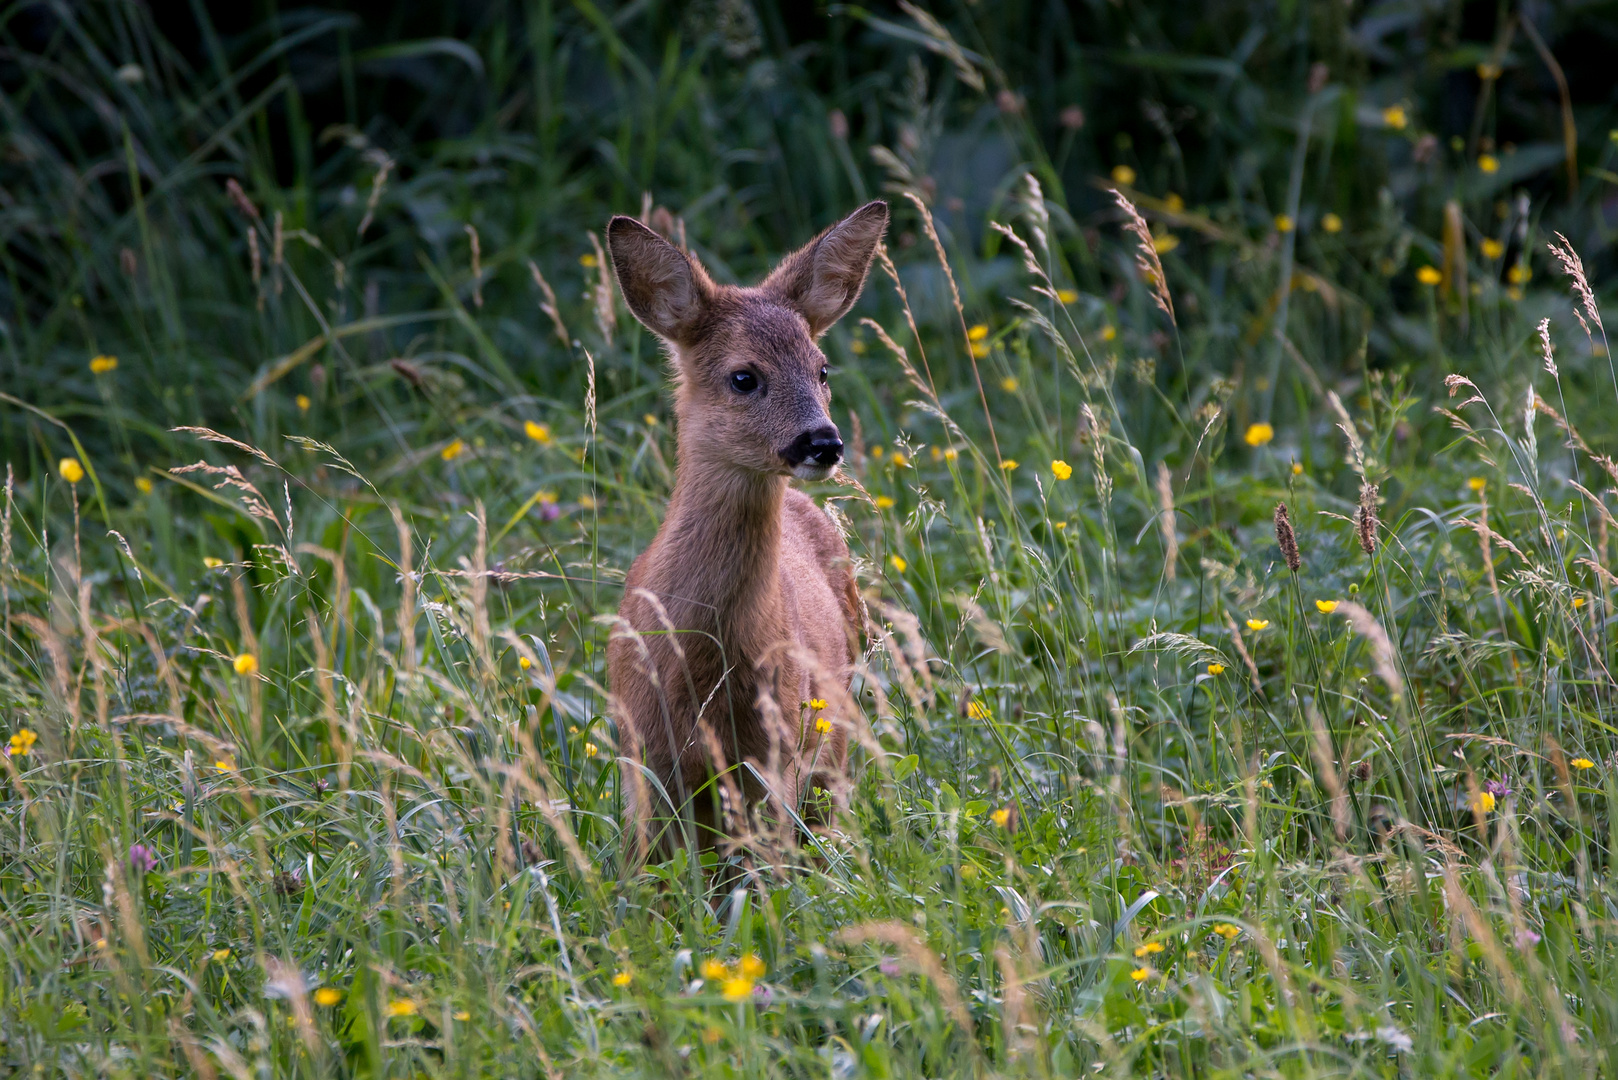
x: 884, y: 502
x: 969, y: 871
x: 650, y: 420
x: 1067, y: 296
x: 1519, y: 274
x: 1000, y: 816
x: 1582, y: 763
x: 737, y: 988
x: 524, y: 663
x: 1394, y: 116
x: 1009, y: 384
x: 245, y: 663
x: 587, y: 502
x: 1008, y: 465
x: 950, y: 454
x: 211, y: 563
x: 1109, y: 332
x: 1297, y: 468
x: 623, y: 978
x: 1227, y: 930
x: 1256, y: 625
x: 857, y: 347
x: 1123, y: 175
x: 978, y: 332
x: 815, y: 703
x: 1173, y: 203
x: 21, y: 743
x: 1283, y: 223
x: 1429, y: 275
x: 1332, y: 223
x: 453, y: 450
x: 979, y: 349
x: 401, y: 1007
x: 220, y: 955
x: 1493, y: 249
x: 225, y: 765
x: 1216, y: 669
x: 70, y: 469
x: 1258, y: 434
x: 463, y: 1016
x: 328, y: 996
x: 1325, y: 607
x: 1148, y: 949
x: 899, y: 459
x: 1488, y: 163
x: 143, y: 484
x: 540, y: 433
x: 1483, y: 802
x: 1141, y: 974
x: 101, y: 943
x: 751, y: 966
x: 1061, y: 469
x: 822, y: 725
x: 898, y: 564
x: 1163, y: 243
x: 877, y: 451
x: 101, y: 365
x: 713, y: 970
x: 1476, y: 483
x: 591, y: 749
x: 1488, y: 72
x: 1514, y: 293
x: 303, y: 402
x: 1578, y: 602
x: 587, y: 260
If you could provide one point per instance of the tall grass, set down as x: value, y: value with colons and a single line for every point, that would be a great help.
x: 308, y: 580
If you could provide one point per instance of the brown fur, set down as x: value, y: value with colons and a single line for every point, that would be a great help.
x: 744, y: 606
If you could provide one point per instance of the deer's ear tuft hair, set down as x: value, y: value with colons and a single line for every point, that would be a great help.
x: 664, y: 288
x: 822, y: 279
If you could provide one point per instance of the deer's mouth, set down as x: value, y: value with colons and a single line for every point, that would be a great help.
x: 810, y: 470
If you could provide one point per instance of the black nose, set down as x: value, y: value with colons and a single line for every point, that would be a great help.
x: 822, y: 446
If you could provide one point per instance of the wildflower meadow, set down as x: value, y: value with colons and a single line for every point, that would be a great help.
x: 1230, y: 429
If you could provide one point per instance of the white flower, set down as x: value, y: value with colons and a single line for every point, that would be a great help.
x: 1395, y: 1038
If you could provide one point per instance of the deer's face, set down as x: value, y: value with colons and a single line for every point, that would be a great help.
x: 753, y: 386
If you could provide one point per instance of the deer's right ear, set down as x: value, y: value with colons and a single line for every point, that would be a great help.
x: 662, y: 286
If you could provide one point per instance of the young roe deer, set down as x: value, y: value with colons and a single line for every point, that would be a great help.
x: 744, y: 606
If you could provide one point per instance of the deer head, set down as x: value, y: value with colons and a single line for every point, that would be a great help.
x: 751, y: 384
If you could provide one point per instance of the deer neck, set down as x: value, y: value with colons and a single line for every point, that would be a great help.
x: 724, y: 539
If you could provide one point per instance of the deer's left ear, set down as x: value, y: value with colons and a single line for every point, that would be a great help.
x: 822, y: 279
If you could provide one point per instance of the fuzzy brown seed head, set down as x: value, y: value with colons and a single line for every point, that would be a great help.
x: 287, y: 883
x: 1362, y: 771
x: 1286, y: 539
x: 1366, y: 520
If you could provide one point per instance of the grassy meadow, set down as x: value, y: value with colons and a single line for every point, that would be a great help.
x: 1231, y: 486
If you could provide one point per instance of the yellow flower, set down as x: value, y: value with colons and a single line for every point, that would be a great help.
x: 1163, y: 243
x: 969, y: 871
x: 977, y: 333
x: 1109, y: 332
x: 898, y: 564
x: 751, y: 966
x: 1283, y: 223
x: 1067, y: 296
x: 884, y: 502
x: 978, y: 710
x: 211, y: 563
x: 822, y: 725
x: 22, y: 743
x: 101, y: 365
x: 1173, y: 203
x: 1582, y: 763
x: 524, y: 663
x: 1578, y: 602
x: 877, y: 451
x: 1000, y: 816
x: 1476, y: 483
x: 623, y: 978
x: 1488, y: 72
x: 979, y: 349
x: 899, y: 459
x: 857, y: 346
x: 225, y: 765
x: 737, y: 988
x: 816, y: 703
x: 1493, y: 249
x: 70, y: 469
x: 328, y: 995
x: 463, y: 1016
x: 401, y: 1007
x: 713, y: 970
x: 587, y: 260
x: 1008, y: 465
x: 591, y: 749
x: 1123, y: 175
x: 1061, y: 469
x: 1297, y: 468
x: 1488, y: 163
x: 1259, y: 434
x: 303, y: 402
x: 1429, y: 275
x: 1141, y: 974
x: 452, y: 451
x: 650, y: 420
x: 1519, y: 274
x: 1009, y: 384
x: 951, y: 454
x: 245, y: 663
x: 220, y: 955
x: 1325, y: 607
x: 587, y: 502
x: 1148, y: 949
x: 1332, y: 223
x: 1216, y: 669
x: 1484, y: 802
x: 1394, y: 117
x: 143, y: 484
x: 1256, y: 625
x: 1226, y: 930
x: 540, y: 433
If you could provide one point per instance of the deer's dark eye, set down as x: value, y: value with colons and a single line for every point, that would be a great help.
x: 744, y: 382
x: 825, y: 374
